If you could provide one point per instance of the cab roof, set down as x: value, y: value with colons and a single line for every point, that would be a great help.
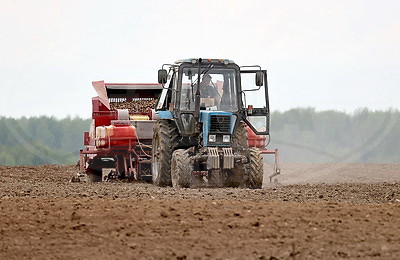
x: 204, y: 60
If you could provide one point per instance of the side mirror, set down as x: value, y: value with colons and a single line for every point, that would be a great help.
x: 259, y: 78
x: 162, y: 76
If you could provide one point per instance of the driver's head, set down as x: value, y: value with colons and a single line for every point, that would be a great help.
x: 206, y: 80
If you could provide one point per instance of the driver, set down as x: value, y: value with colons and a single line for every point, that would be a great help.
x: 208, y: 93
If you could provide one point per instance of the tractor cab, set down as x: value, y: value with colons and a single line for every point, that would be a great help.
x: 195, y: 88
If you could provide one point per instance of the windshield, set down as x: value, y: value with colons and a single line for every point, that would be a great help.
x: 217, y: 89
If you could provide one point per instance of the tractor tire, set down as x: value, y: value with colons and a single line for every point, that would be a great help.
x: 165, y: 139
x: 240, y: 138
x: 235, y: 176
x: 255, y: 169
x: 180, y: 169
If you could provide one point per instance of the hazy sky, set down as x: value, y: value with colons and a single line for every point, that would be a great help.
x: 324, y: 54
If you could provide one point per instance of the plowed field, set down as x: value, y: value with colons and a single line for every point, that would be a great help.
x: 321, y: 211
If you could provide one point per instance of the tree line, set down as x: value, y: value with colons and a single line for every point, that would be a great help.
x: 41, y: 140
x: 301, y: 135
x: 305, y: 135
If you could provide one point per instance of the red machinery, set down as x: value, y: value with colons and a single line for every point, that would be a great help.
x: 259, y: 142
x: 119, y: 141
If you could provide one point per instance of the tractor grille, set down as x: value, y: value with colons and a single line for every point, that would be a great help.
x: 220, y: 124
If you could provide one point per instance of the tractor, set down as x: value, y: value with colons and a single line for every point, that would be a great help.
x: 208, y: 109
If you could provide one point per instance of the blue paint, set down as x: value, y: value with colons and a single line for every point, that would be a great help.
x: 165, y: 114
x: 205, y: 117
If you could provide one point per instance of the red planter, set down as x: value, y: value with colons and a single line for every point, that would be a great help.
x: 255, y: 140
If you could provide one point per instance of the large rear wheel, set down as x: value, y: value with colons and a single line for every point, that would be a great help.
x: 235, y: 176
x: 255, y: 168
x: 165, y: 138
x: 240, y: 138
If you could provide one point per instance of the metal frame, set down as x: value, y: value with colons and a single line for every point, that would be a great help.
x: 258, y: 111
x: 277, y: 168
x: 177, y: 88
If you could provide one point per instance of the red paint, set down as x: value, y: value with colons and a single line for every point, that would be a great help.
x: 255, y: 140
x: 86, y: 138
x: 119, y: 136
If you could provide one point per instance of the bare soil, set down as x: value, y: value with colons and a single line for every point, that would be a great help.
x: 314, y: 211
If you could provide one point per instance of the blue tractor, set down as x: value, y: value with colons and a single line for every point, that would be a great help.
x: 205, y: 108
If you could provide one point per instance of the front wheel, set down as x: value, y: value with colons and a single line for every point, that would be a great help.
x: 255, y: 168
x: 180, y: 169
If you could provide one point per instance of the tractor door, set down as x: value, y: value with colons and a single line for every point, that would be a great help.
x: 255, y: 102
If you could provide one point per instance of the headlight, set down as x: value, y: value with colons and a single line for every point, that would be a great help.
x: 212, y: 138
x: 226, y: 138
